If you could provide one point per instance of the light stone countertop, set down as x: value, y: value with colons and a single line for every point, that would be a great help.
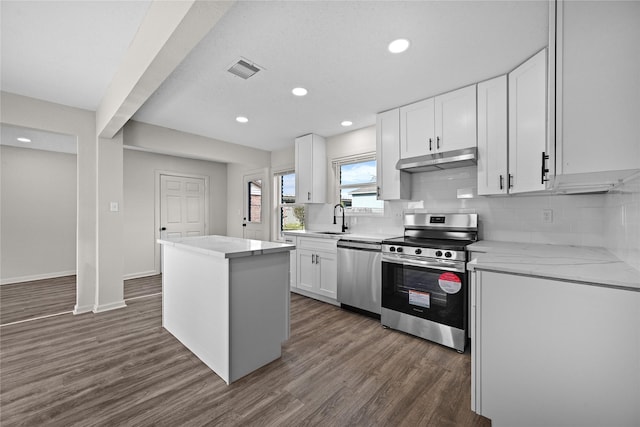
x: 580, y: 264
x: 366, y: 237
x: 226, y: 247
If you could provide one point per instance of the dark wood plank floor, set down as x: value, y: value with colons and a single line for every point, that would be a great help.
x: 121, y: 368
x: 28, y: 300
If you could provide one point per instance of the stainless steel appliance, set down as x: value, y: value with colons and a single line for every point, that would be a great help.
x: 359, y: 275
x: 424, y: 278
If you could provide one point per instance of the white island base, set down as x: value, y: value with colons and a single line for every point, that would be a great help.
x: 230, y: 309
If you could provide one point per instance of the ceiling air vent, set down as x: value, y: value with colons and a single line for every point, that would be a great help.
x: 243, y: 69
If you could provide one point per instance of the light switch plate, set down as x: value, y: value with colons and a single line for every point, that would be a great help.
x: 113, y: 207
x: 547, y: 216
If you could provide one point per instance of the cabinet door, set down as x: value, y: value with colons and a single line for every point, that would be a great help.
x: 598, y: 86
x: 327, y: 274
x: 556, y: 353
x: 311, y: 169
x: 392, y: 183
x: 304, y: 168
x: 306, y: 269
x: 455, y: 119
x: 492, y: 136
x: 417, y: 130
x: 528, y: 124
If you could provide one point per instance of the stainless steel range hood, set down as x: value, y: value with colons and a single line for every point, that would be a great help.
x: 438, y: 161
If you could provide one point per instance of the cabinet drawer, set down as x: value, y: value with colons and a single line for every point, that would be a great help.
x: 327, y: 245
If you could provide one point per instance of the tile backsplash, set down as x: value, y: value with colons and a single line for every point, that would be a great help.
x: 622, y: 222
x: 610, y: 220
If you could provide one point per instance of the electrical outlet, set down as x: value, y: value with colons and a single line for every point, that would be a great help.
x: 547, y: 216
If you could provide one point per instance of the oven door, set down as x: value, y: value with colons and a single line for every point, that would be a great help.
x: 435, y: 290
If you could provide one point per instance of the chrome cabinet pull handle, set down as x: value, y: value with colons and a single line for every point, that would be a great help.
x: 313, y: 258
x: 430, y: 141
x: 510, y: 181
x: 438, y: 142
x: 308, y: 195
x: 501, y: 182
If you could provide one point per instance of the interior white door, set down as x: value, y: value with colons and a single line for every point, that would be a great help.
x: 182, y: 206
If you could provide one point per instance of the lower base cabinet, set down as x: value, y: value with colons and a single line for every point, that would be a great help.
x: 317, y: 268
x: 548, y: 352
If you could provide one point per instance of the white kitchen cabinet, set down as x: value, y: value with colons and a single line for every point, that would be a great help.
x: 311, y: 169
x: 392, y: 183
x: 456, y: 119
x: 597, y: 103
x: 417, y: 129
x: 317, y: 268
x: 446, y: 122
x: 293, y: 260
x: 528, y: 162
x: 492, y: 136
x: 551, y: 352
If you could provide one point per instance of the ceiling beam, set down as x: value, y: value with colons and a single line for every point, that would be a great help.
x: 169, y: 31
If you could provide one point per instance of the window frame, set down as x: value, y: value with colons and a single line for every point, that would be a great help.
x: 278, y: 205
x: 373, y: 186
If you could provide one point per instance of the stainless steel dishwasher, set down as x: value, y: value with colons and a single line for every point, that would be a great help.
x: 360, y: 275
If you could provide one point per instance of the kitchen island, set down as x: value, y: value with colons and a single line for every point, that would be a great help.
x: 227, y: 300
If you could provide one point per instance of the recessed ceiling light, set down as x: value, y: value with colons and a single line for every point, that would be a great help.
x: 241, y: 119
x: 398, y: 46
x: 346, y: 123
x: 299, y: 91
x: 22, y: 139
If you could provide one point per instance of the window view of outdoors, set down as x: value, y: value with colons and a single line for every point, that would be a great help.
x: 291, y: 217
x: 358, y: 185
x: 255, y: 201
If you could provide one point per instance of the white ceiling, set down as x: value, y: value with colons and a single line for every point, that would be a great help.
x: 68, y: 52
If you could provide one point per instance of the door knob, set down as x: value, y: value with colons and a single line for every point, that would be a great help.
x: 163, y: 229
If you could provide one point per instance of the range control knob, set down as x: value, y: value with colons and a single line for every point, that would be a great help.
x: 392, y: 248
x: 399, y: 249
x: 438, y: 253
x: 447, y: 254
x: 418, y: 251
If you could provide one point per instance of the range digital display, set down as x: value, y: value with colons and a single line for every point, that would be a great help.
x: 436, y: 220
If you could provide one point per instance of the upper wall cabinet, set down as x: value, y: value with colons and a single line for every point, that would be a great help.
x: 528, y: 152
x: 597, y: 103
x: 444, y: 123
x: 311, y: 169
x: 392, y: 183
x: 514, y: 158
x: 492, y: 136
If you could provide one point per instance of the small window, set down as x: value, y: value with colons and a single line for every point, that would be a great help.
x: 255, y: 201
x: 289, y: 216
x: 358, y: 185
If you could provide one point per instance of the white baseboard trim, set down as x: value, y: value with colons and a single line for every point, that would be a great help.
x: 82, y: 309
x: 315, y: 296
x: 108, y: 307
x: 139, y: 275
x: 11, y: 280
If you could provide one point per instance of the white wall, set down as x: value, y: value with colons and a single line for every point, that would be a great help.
x: 140, y: 229
x: 38, y: 214
x: 240, y: 160
x: 37, y: 114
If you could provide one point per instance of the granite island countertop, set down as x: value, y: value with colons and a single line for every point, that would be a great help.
x: 225, y: 246
x: 580, y: 264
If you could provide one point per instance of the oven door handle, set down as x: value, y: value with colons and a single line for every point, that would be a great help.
x: 435, y: 264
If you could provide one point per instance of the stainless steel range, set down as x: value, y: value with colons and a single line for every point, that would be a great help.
x: 424, y: 278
